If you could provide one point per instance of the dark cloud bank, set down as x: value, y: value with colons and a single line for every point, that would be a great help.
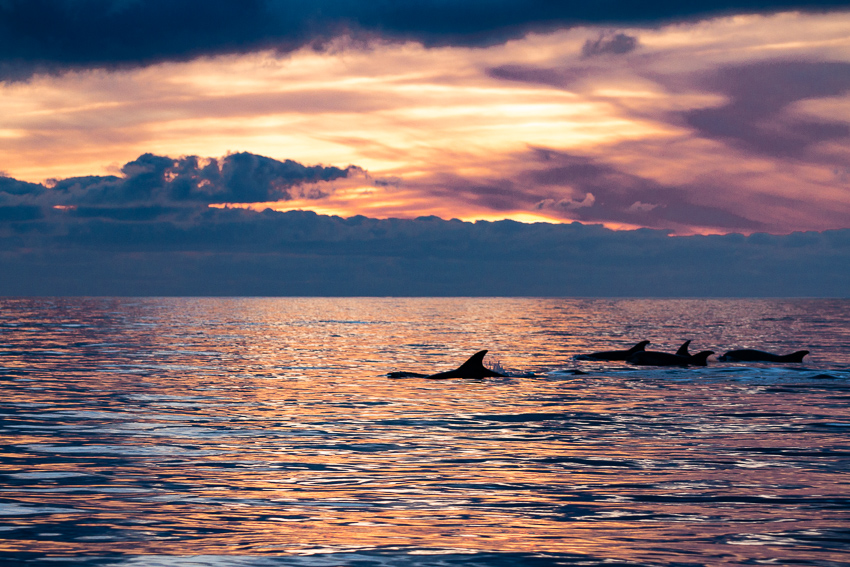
x: 51, y: 35
x: 150, y: 232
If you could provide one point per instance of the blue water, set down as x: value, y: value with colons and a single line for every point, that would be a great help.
x: 265, y: 432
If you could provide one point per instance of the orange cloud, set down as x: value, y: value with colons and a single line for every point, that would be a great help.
x: 458, y: 130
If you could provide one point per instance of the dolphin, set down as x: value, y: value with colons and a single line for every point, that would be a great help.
x: 752, y: 355
x: 652, y: 358
x: 614, y: 354
x: 472, y: 368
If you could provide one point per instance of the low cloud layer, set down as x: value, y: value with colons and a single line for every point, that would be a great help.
x: 243, y: 252
x: 51, y: 35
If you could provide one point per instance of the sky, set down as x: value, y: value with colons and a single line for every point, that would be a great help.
x: 711, y: 125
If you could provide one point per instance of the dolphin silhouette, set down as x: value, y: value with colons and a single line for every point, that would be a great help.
x: 752, y: 355
x: 472, y: 368
x: 681, y: 358
x: 614, y: 354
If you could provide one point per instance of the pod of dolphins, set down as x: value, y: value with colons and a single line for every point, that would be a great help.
x: 639, y: 355
x: 474, y: 366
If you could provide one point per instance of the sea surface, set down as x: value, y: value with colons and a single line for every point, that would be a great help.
x: 219, y: 432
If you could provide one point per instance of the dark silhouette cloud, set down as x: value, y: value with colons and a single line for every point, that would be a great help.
x: 51, y: 35
x: 14, y: 187
x: 756, y: 115
x: 155, y: 185
x: 614, y: 44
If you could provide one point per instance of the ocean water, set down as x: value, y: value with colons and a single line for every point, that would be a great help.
x: 218, y: 432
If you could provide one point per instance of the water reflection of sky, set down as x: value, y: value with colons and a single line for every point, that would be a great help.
x: 267, y: 427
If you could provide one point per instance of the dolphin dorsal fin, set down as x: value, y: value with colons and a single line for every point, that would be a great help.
x: 683, y: 350
x: 796, y: 356
x: 700, y: 358
x: 474, y: 361
x: 638, y: 347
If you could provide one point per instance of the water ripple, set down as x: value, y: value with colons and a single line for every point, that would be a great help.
x: 264, y: 432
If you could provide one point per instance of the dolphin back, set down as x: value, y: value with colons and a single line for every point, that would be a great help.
x: 614, y: 354
x: 752, y: 355
x: 653, y: 358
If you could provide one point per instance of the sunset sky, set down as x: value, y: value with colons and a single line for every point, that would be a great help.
x: 717, y: 118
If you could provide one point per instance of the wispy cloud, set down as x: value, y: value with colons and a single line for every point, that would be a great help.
x: 706, y: 126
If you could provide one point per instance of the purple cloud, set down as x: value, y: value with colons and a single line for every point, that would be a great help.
x: 609, y: 44
x: 756, y: 115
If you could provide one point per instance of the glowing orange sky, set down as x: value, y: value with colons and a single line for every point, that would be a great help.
x: 414, y: 119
